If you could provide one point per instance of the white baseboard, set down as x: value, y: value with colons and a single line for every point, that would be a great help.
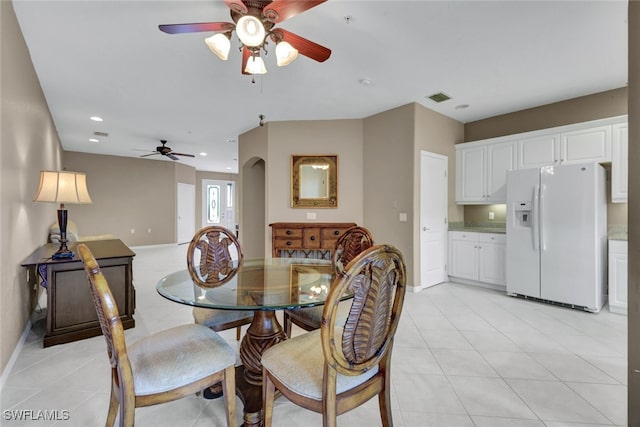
x: 14, y: 356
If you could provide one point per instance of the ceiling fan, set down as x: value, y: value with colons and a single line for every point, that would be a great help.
x: 166, y: 151
x: 254, y: 21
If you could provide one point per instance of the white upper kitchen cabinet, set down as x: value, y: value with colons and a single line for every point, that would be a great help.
x: 619, y: 163
x: 481, y: 172
x: 538, y: 151
x: 586, y: 145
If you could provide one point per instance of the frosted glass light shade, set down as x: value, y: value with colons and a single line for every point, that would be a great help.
x: 285, y: 53
x: 63, y: 187
x: 219, y: 44
x: 255, y: 65
x: 250, y: 30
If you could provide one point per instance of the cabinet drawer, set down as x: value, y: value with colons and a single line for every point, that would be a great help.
x: 288, y: 244
x: 332, y: 233
x: 492, y: 238
x: 288, y: 232
x: 312, y: 238
x: 328, y: 243
x: 464, y: 235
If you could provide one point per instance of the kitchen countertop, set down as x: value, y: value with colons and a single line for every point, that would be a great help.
x: 617, y: 232
x: 499, y: 228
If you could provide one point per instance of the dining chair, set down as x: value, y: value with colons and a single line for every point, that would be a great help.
x: 351, y: 243
x: 338, y: 368
x: 162, y: 367
x: 210, y: 264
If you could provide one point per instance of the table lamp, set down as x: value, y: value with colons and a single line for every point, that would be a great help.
x: 63, y: 187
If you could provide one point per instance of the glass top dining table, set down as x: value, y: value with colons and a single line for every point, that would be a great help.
x: 262, y: 286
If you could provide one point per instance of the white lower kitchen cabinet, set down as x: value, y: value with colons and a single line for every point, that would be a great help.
x: 618, y: 276
x: 477, y: 257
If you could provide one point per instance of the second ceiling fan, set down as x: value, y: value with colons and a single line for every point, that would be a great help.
x: 254, y: 21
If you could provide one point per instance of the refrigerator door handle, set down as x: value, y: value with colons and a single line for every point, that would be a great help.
x: 540, y: 216
x: 534, y: 229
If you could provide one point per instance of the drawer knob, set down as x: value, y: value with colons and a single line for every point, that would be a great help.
x: 337, y: 232
x: 313, y: 237
x: 288, y: 232
x: 288, y: 243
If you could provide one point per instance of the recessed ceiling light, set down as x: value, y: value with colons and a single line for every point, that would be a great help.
x: 96, y: 118
x: 231, y: 140
x: 228, y: 168
x: 93, y: 140
x: 203, y: 154
x: 462, y: 106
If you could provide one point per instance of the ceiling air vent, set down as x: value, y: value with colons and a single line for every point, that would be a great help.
x: 438, y: 97
x: 104, y: 134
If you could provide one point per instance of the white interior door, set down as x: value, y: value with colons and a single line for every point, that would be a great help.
x: 433, y: 219
x: 186, y: 209
x: 218, y: 200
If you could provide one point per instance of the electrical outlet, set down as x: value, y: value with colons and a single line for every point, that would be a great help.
x: 148, y: 230
x: 311, y: 215
x: 133, y: 230
x: 403, y: 217
x: 492, y: 216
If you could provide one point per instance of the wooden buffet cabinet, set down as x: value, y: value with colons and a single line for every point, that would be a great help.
x: 306, y: 236
x: 71, y: 314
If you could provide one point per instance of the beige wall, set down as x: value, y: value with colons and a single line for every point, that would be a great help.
x: 129, y: 193
x: 591, y: 107
x: 28, y: 144
x: 275, y: 143
x: 391, y: 152
x: 253, y: 191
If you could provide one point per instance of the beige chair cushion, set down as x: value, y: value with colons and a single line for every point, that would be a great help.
x: 298, y: 363
x: 177, y: 356
x: 314, y: 314
x: 210, y: 317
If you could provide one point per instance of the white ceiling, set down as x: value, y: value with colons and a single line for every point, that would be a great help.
x: 108, y: 58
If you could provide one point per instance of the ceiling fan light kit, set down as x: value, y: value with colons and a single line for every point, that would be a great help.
x: 255, y: 65
x: 253, y: 22
x: 219, y: 44
x: 285, y: 53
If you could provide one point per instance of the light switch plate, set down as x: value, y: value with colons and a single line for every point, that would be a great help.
x: 403, y: 217
x: 311, y: 215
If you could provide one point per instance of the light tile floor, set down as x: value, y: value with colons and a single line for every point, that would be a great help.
x: 463, y: 356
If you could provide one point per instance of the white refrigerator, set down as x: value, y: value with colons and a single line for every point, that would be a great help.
x: 557, y: 234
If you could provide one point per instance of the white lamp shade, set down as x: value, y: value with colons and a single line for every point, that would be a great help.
x: 250, y: 30
x: 219, y: 44
x: 285, y: 53
x: 63, y: 187
x: 255, y: 65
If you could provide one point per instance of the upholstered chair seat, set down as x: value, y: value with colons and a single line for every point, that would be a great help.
x: 297, y: 363
x: 197, y: 349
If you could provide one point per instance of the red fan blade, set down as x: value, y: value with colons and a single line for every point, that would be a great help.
x: 236, y: 6
x: 305, y: 47
x: 246, y: 53
x: 197, y: 27
x: 280, y: 10
x: 182, y: 154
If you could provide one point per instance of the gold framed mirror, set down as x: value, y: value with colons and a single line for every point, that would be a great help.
x: 314, y: 181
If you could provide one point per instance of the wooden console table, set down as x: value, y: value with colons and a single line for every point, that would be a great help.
x: 71, y: 315
x: 306, y: 236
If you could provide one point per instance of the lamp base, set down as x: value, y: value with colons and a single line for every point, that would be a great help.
x: 62, y: 255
